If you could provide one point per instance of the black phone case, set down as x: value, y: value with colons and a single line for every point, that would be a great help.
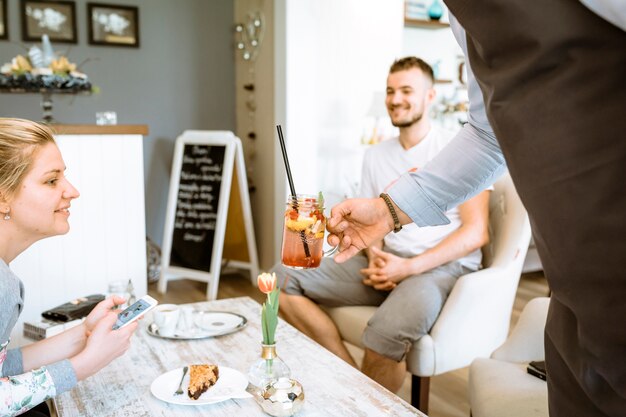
x: 537, y: 369
x: 75, y: 309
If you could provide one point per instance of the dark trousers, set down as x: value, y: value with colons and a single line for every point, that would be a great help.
x: 553, y: 78
x: 39, y: 411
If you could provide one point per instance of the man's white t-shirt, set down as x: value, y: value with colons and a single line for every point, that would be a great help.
x: 383, y: 164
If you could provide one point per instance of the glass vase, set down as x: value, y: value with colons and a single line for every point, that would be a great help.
x: 435, y: 11
x: 268, y: 367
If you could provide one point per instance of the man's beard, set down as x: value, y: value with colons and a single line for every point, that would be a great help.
x: 416, y: 118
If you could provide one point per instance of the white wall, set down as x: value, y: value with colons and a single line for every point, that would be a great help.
x: 433, y: 45
x: 337, y: 55
x: 438, y: 45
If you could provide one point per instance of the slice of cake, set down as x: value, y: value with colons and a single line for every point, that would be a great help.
x: 201, y: 378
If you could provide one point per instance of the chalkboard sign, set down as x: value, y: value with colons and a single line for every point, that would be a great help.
x: 196, y: 206
x: 197, y: 209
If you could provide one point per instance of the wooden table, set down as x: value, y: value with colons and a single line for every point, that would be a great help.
x: 331, y: 387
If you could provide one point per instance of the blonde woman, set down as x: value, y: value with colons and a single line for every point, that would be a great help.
x: 35, y: 198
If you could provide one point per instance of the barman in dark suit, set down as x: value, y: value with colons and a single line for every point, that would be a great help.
x: 547, y: 88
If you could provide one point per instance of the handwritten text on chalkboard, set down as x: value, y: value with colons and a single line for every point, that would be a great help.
x: 196, y: 206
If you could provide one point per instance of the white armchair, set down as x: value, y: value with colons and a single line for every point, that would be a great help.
x: 500, y: 386
x: 475, y: 319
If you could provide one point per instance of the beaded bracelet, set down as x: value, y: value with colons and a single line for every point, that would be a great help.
x: 396, y: 222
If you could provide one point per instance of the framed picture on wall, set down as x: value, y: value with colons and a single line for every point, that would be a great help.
x: 4, y: 21
x: 57, y: 19
x: 113, y: 25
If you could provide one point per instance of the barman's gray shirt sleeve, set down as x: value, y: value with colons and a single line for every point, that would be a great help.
x: 470, y: 163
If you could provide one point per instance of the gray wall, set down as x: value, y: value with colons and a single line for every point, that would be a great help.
x: 181, y: 77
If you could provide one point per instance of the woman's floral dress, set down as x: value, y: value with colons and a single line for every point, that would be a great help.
x: 20, y: 393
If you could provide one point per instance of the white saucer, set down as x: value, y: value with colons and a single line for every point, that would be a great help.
x: 218, y: 322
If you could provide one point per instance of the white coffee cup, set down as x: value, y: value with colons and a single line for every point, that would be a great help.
x: 186, y: 321
x: 166, y: 318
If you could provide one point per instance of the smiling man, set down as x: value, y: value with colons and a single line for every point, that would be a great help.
x: 409, y: 274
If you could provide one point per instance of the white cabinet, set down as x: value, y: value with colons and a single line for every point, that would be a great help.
x: 107, y: 234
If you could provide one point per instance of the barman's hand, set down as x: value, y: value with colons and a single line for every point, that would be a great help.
x: 356, y: 223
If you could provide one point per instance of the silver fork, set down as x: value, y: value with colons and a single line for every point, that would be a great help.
x: 179, y: 391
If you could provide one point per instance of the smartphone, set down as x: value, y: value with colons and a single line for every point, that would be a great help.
x: 538, y: 369
x: 136, y: 310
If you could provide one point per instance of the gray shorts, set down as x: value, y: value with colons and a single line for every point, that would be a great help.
x: 403, y: 316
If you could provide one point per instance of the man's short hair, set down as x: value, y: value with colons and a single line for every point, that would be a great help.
x: 409, y: 62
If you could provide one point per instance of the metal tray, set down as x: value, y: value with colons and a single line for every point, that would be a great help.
x: 200, y: 331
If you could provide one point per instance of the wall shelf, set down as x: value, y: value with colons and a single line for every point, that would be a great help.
x: 442, y: 81
x: 425, y: 24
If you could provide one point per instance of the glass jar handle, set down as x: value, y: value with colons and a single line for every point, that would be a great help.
x: 330, y: 252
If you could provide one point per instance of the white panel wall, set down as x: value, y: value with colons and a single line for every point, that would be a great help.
x: 337, y: 55
x: 434, y: 45
x: 106, y: 241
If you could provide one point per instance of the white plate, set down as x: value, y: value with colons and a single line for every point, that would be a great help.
x: 218, y: 322
x: 231, y: 384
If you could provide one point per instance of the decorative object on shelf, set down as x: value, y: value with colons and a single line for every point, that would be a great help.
x: 269, y: 366
x: 248, y: 38
x: 450, y: 110
x: 249, y: 35
x: 435, y: 11
x: 4, y: 20
x: 45, y: 72
x: 425, y: 24
x: 416, y: 9
x: 282, y: 397
x: 57, y: 19
x: 436, y: 68
x: 104, y: 118
x: 113, y: 25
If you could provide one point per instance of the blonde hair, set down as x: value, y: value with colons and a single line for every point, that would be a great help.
x: 19, y: 140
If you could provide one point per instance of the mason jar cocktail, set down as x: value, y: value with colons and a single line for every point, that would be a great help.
x: 303, y: 232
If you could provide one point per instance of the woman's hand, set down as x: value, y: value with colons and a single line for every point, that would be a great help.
x: 103, y: 346
x: 100, y: 310
x: 69, y: 343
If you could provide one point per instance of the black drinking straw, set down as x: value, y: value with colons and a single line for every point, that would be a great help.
x: 292, y: 187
